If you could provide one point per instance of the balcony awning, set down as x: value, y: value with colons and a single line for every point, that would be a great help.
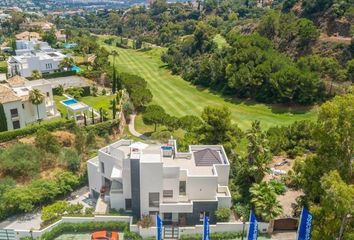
x: 116, y: 173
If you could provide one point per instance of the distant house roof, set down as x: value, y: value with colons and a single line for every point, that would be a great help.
x: 7, y: 95
x: 16, y: 81
x: 207, y: 157
x: 28, y: 35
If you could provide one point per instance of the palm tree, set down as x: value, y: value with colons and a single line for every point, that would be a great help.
x: 36, y: 74
x: 36, y: 98
x: 264, y: 200
x: 66, y: 63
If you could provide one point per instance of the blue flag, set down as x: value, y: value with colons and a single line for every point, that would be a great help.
x: 158, y: 227
x: 305, y: 225
x: 253, y: 227
x: 206, y: 228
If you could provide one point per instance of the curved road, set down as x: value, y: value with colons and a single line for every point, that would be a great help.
x: 132, y: 128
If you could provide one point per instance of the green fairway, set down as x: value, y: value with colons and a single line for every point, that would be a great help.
x: 178, y: 97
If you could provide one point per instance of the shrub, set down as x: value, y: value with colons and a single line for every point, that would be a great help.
x: 46, y: 141
x: 104, y: 127
x: 21, y: 160
x: 58, y: 91
x: 145, y: 222
x: 71, y: 159
x: 86, y: 91
x: 223, y: 214
x: 104, y: 92
x: 278, y: 186
x: 162, y: 136
x: 75, y: 92
x: 86, y: 227
x: 54, y: 212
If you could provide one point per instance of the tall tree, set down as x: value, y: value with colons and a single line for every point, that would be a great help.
x: 217, y: 128
x: 333, y: 215
x: 114, y: 108
x: 36, y: 98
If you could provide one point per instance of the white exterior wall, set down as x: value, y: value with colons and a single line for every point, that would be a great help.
x: 26, y: 115
x: 171, y: 182
x: 117, y: 201
x: 150, y: 181
x: 223, y: 172
x: 32, y: 63
x: 202, y: 187
x: 94, y: 176
x: 109, y: 162
x: 21, y: 115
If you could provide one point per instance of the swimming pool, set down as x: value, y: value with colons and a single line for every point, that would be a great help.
x: 76, y: 69
x: 69, y: 102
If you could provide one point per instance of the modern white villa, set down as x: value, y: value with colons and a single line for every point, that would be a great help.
x: 34, y: 55
x: 19, y: 111
x: 148, y: 179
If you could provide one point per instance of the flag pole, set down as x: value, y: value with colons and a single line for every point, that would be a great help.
x: 299, y: 224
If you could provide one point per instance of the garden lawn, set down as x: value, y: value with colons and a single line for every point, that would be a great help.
x: 178, y: 97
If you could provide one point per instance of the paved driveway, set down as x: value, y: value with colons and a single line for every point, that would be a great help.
x: 70, y: 81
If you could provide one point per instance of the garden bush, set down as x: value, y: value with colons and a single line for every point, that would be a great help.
x: 86, y: 227
x: 101, y: 129
x: 58, y: 91
x: 279, y: 187
x: 223, y: 214
x: 55, y: 211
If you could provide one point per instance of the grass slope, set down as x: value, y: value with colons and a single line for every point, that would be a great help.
x: 178, y: 97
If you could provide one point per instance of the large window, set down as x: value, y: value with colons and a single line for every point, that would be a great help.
x: 16, y: 124
x: 167, y: 193
x: 102, y: 167
x: 182, y: 188
x: 14, y: 112
x: 154, y: 199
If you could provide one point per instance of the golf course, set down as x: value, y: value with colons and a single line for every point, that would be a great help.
x: 178, y: 97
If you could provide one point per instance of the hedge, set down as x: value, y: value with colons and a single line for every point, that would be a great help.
x: 59, y: 74
x: 85, y: 227
x: 99, y: 128
x: 213, y: 236
x: 103, y: 128
x: 13, y: 134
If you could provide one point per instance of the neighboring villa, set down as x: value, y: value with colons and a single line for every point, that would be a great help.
x: 28, y: 36
x: 34, y: 55
x: 148, y: 179
x: 19, y: 111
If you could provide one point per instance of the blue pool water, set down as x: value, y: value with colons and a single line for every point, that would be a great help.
x: 70, y: 102
x: 76, y: 69
x: 166, y: 148
x: 70, y: 45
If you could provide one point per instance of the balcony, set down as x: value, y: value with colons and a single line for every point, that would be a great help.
x: 224, y: 196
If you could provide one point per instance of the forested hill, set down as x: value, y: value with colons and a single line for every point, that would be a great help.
x: 275, y: 52
x: 334, y: 17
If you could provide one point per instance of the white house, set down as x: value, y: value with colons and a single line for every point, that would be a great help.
x: 34, y: 55
x: 19, y: 111
x: 149, y: 179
